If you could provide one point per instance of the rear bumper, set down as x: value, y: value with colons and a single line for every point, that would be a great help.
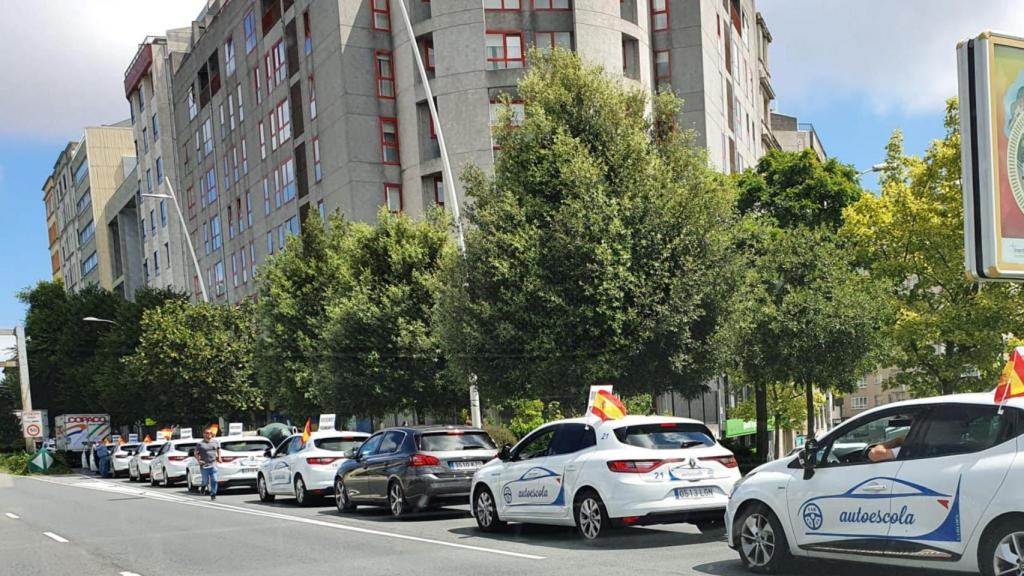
x: 429, y: 490
x: 319, y: 481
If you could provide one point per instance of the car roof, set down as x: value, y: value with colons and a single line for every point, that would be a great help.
x: 626, y: 421
x: 178, y: 441
x: 979, y: 398
x: 330, y: 434
x: 428, y: 428
x: 240, y: 438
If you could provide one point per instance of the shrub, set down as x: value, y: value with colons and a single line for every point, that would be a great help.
x: 17, y: 463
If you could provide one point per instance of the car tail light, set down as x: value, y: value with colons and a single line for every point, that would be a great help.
x: 423, y: 460
x: 321, y: 461
x: 630, y: 520
x: 229, y: 458
x: 727, y: 461
x: 456, y: 432
x: 634, y: 466
x: 147, y: 457
x: 177, y: 458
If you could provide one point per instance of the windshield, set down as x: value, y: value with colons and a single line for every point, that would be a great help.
x: 245, y: 445
x: 154, y: 449
x: 448, y: 441
x: 187, y: 447
x: 665, y: 435
x: 338, y: 444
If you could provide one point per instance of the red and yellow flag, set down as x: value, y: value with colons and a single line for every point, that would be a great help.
x: 166, y: 433
x: 1011, y: 381
x: 214, y: 429
x: 121, y: 441
x: 147, y: 439
x: 607, y: 406
x: 307, y: 432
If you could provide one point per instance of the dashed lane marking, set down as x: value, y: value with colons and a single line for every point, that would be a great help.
x: 12, y: 516
x: 55, y: 537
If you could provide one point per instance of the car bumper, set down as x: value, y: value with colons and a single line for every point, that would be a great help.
x: 176, y: 471
x: 430, y: 490
x: 119, y: 465
x: 658, y: 503
x: 319, y: 481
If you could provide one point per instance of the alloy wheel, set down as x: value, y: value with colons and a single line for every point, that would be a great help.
x: 396, y: 499
x: 1008, y: 559
x: 590, y: 518
x: 485, y: 509
x: 300, y: 492
x: 757, y: 538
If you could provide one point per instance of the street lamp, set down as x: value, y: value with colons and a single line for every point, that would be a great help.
x: 95, y: 319
x: 184, y: 230
x: 875, y: 168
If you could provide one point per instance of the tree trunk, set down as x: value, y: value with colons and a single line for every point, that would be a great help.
x: 777, y: 449
x: 809, y: 391
x: 761, y: 409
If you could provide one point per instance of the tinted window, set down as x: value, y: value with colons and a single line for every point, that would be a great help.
x: 962, y: 429
x: 446, y: 441
x: 282, y: 449
x: 888, y: 428
x: 392, y: 440
x: 186, y: 447
x: 339, y: 444
x: 665, y: 435
x: 295, y: 444
x: 154, y: 450
x: 245, y: 445
x: 371, y: 445
x: 536, y: 445
x: 572, y: 438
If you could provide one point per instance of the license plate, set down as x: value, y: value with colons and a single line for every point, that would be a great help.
x: 694, y: 493
x: 248, y: 470
x: 473, y: 465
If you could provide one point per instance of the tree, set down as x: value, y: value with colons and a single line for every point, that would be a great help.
x: 949, y: 333
x: 787, y: 408
x: 380, y: 349
x: 196, y: 361
x: 596, y: 250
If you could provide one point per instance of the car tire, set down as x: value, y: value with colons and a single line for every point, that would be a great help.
x: 188, y: 482
x: 131, y: 475
x: 166, y: 481
x: 591, y: 515
x: 342, y: 500
x: 1001, y: 539
x: 396, y: 501
x: 761, y: 540
x: 152, y: 478
x: 263, y: 490
x: 485, y: 510
x: 302, y: 496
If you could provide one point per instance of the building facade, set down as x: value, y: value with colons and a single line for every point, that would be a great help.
x: 796, y: 136
x: 59, y: 198
x: 122, y: 217
x: 872, y: 391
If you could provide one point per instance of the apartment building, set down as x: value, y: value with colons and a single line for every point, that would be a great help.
x: 123, y: 219
x: 796, y: 136
x: 872, y: 391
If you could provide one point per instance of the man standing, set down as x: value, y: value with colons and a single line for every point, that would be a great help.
x: 208, y: 455
x: 103, y: 455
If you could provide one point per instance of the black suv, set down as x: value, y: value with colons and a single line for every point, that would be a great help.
x: 411, y: 468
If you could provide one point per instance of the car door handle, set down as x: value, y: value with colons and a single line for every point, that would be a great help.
x: 571, y: 468
x: 875, y: 488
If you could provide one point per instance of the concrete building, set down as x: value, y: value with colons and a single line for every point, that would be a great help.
x: 796, y: 136
x: 124, y: 226
x: 59, y: 198
x: 873, y: 390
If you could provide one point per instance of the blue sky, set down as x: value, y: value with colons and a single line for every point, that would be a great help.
x: 855, y: 69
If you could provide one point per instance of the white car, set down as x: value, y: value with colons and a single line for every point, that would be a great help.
x: 946, y: 497
x: 597, y: 475
x: 138, y: 464
x: 171, y: 463
x: 306, y: 470
x: 241, y: 458
x: 120, y: 457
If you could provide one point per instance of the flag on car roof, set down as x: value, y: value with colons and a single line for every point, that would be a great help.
x: 121, y: 441
x: 307, y: 431
x: 214, y: 429
x: 147, y: 439
x: 607, y: 406
x: 166, y: 433
x: 1011, y: 381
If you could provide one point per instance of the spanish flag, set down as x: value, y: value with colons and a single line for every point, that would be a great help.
x: 607, y: 406
x: 166, y: 433
x: 214, y: 429
x: 1011, y: 382
x: 121, y: 441
x: 147, y: 439
x: 306, y: 432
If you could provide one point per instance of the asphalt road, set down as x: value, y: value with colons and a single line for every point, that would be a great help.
x: 82, y: 525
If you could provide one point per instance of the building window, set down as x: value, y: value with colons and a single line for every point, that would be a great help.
x: 428, y: 54
x: 156, y: 262
x: 245, y: 268
x: 190, y: 197
x: 145, y: 141
x: 252, y: 259
x: 190, y: 99
x: 659, y: 14
x: 280, y: 124
x: 87, y: 233
x: 248, y: 208
x: 317, y: 173
x: 322, y: 210
x: 215, y: 232
x: 167, y: 253
x: 89, y: 264
x: 156, y: 129
x: 860, y: 402
x: 241, y: 108
x: 152, y: 221
x: 551, y: 4
x: 381, y: 15
x: 263, y: 142
x: 245, y: 158
x: 208, y: 137
x: 278, y: 66
x: 389, y: 140
x: 662, y: 69
x: 142, y: 98
x: 439, y: 190
x: 257, y: 85
x: 266, y: 197
x: 504, y: 50
x: 229, y: 56
x: 234, y: 270
x: 218, y: 272
x: 270, y: 243
x: 548, y: 40
x: 312, y: 98
x: 308, y: 31
x: 385, y: 74
x: 211, y: 185
x: 501, y: 4
x: 159, y: 170
x: 231, y: 112
x: 284, y: 180
x: 249, y: 28
x: 149, y: 181
x: 393, y: 197
x: 163, y: 213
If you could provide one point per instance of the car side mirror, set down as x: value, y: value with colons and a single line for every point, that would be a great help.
x: 505, y: 454
x: 268, y: 453
x: 807, y: 458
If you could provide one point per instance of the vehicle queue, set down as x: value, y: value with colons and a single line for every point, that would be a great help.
x: 933, y: 483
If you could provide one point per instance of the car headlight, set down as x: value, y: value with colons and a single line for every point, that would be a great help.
x: 740, y: 482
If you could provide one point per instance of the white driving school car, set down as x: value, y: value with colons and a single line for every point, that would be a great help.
x: 595, y: 475
x: 171, y: 461
x: 306, y: 469
x: 241, y: 458
x: 947, y: 496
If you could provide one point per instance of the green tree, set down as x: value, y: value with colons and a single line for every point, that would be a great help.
x: 380, y: 349
x: 948, y: 335
x: 596, y: 250
x: 787, y: 408
x: 196, y: 361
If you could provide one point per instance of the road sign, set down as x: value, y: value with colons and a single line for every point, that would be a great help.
x: 327, y: 422
x: 41, y: 462
x: 32, y: 424
x: 234, y: 429
x: 133, y: 438
x: 185, y: 433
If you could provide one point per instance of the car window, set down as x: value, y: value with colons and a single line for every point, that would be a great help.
x: 572, y: 438
x: 666, y: 435
x: 851, y: 445
x: 245, y: 445
x: 535, y: 445
x: 295, y: 445
x: 392, y: 440
x: 455, y: 440
x: 371, y: 445
x: 962, y: 429
x: 282, y: 449
x: 338, y: 443
x: 186, y: 447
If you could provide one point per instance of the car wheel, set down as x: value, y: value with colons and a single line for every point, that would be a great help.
x: 1002, y: 548
x: 302, y: 497
x: 131, y: 475
x: 188, y: 481
x: 263, y: 489
x: 486, y: 512
x: 165, y: 480
x: 396, y: 500
x: 152, y: 478
x: 761, y: 540
x: 342, y: 500
x: 591, y: 516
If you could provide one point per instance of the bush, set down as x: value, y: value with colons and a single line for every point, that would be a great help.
x: 17, y: 463
x: 501, y: 435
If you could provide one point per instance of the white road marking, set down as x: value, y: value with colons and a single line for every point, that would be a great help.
x: 55, y: 537
x: 130, y: 574
x: 12, y: 516
x: 93, y: 484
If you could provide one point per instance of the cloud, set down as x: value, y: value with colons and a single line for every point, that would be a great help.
x: 897, y: 56
x: 64, y: 60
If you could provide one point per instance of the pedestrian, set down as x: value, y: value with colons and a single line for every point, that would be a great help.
x: 207, y: 453
x: 103, y: 455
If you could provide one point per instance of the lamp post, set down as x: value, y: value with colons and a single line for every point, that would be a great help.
x: 875, y: 168
x: 95, y: 319
x: 184, y: 231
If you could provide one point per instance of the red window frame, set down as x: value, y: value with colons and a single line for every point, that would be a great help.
x: 655, y: 13
x: 428, y: 54
x: 505, y: 8
x: 257, y: 84
x: 667, y: 78
x: 389, y: 186
x: 552, y: 3
x: 385, y: 146
x: 439, y: 200
x: 505, y: 34
x: 312, y: 97
x: 375, y: 9
x: 378, y: 56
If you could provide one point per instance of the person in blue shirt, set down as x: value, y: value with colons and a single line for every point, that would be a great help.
x: 103, y: 455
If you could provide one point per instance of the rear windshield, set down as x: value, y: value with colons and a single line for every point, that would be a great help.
x: 245, y: 445
x: 129, y: 448
x: 338, y: 444
x: 185, y: 447
x: 154, y: 448
x: 445, y: 441
x: 666, y: 435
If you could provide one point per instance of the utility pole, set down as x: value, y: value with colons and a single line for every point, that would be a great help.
x: 22, y: 361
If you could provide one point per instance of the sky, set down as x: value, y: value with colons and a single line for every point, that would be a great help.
x: 856, y: 69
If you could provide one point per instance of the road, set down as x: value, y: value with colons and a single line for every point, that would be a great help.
x: 79, y: 524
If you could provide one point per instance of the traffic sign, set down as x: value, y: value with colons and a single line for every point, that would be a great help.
x: 327, y: 422
x: 185, y: 433
x: 41, y: 462
x: 234, y: 429
x: 133, y: 438
x: 32, y: 424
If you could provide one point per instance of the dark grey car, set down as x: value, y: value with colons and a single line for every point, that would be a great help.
x: 413, y: 468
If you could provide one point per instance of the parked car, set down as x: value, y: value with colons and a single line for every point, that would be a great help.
x: 413, y: 468
x: 306, y: 470
x: 241, y: 458
x: 120, y: 456
x: 596, y: 475
x: 171, y: 463
x: 138, y: 464
x: 942, y: 492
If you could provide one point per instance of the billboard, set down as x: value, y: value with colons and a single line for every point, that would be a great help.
x: 991, y: 76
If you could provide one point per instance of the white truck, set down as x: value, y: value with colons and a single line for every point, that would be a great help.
x: 74, y: 431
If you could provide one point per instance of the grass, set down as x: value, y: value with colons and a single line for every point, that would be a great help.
x: 17, y: 463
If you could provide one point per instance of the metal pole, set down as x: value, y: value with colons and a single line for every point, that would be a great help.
x: 26, y: 388
x: 188, y: 239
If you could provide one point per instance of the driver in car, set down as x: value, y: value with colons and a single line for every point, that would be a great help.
x: 886, y: 451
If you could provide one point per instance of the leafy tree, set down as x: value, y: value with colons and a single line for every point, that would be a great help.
x: 787, y: 408
x: 380, y: 349
x: 596, y: 251
x: 196, y: 361
x: 949, y: 333
x: 10, y: 400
